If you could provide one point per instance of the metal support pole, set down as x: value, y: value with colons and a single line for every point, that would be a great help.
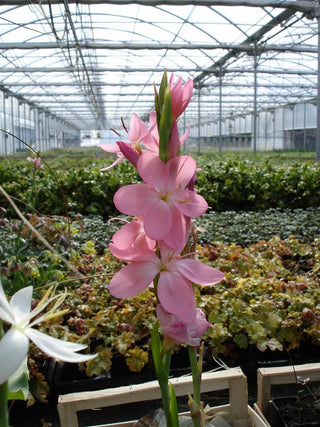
x: 255, y: 102
x: 317, y: 14
x: 199, y: 120
x: 220, y: 113
x: 304, y: 125
x: 4, y: 135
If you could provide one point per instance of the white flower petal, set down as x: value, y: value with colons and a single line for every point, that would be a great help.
x: 6, y: 316
x: 21, y: 303
x: 62, y: 350
x: 5, y: 309
x: 13, y: 349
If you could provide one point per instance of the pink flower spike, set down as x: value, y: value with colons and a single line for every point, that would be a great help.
x: 181, y: 95
x: 182, y: 332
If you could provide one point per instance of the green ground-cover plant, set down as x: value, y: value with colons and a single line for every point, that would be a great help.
x: 257, y: 185
x: 270, y: 297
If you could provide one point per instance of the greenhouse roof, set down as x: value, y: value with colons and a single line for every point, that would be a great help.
x: 94, y: 62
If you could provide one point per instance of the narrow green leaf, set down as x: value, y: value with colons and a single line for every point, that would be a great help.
x: 165, y: 126
x: 173, y: 408
x: 163, y: 88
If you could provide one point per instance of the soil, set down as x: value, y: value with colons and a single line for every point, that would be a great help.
x: 295, y: 412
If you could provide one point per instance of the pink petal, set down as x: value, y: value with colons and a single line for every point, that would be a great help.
x: 152, y: 140
x: 176, y: 295
x: 121, y: 157
x: 179, y: 232
x: 138, y: 129
x: 181, y: 169
x: 174, y: 143
x: 153, y: 171
x: 131, y: 253
x: 185, y: 136
x: 134, y: 199
x: 127, y: 234
x: 132, y: 279
x: 198, y: 273
x: 190, y: 203
x: 111, y: 148
x: 129, y: 153
x: 158, y: 220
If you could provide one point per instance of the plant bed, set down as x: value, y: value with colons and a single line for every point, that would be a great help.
x: 294, y: 412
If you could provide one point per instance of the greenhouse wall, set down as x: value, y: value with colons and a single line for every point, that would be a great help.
x: 290, y: 127
x: 21, y: 122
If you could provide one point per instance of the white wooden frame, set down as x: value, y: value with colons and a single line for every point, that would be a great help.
x: 232, y: 379
x: 281, y: 375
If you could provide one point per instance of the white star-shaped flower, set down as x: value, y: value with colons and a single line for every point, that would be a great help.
x: 14, y: 344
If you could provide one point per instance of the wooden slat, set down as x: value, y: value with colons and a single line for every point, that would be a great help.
x: 233, y: 379
x: 282, y: 375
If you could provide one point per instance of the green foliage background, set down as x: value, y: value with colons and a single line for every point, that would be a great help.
x: 233, y: 182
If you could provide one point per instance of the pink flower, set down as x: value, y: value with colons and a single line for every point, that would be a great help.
x: 131, y: 243
x: 163, y: 200
x: 182, y: 332
x: 36, y: 161
x: 138, y: 132
x: 174, y: 287
x: 181, y: 95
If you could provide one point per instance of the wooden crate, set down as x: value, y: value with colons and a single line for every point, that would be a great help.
x: 281, y: 375
x: 232, y: 379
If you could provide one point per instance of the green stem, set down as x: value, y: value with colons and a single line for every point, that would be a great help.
x: 4, y: 418
x: 195, y: 404
x: 162, y: 358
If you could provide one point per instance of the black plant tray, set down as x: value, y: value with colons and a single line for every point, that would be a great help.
x: 291, y: 412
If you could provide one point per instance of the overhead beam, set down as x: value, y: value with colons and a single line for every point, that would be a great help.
x: 302, y: 5
x: 46, y: 70
x: 242, y: 47
x: 204, y: 98
x: 111, y: 84
x: 254, y: 38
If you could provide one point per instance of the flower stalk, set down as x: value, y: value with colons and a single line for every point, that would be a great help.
x: 4, y: 417
x: 161, y: 358
x: 155, y: 243
x: 194, y: 401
